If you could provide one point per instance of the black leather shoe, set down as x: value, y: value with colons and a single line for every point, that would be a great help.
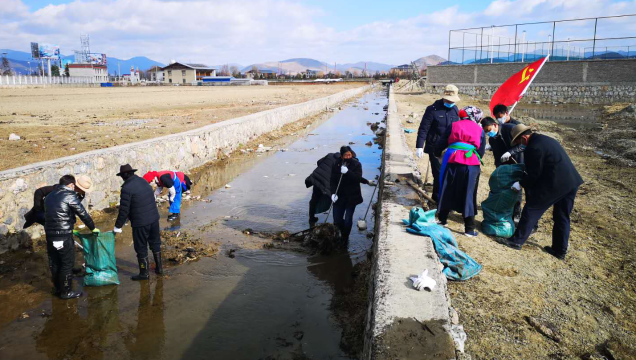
x: 508, y: 243
x: 551, y: 251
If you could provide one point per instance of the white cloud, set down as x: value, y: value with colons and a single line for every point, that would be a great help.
x: 250, y: 31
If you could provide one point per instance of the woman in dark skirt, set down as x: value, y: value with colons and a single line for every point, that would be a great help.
x: 459, y: 173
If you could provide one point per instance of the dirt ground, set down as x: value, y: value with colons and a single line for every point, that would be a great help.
x: 528, y: 304
x: 56, y: 122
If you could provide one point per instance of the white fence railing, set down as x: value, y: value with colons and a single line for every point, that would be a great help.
x: 26, y: 80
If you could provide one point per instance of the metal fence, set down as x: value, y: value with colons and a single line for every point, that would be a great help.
x: 610, y: 37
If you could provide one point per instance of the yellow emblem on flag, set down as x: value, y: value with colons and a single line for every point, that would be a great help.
x: 525, y: 77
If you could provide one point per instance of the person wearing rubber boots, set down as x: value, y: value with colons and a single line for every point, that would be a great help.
x: 138, y: 205
x: 437, y: 118
x: 551, y: 180
x: 176, y: 182
x: 60, y: 208
x: 346, y: 177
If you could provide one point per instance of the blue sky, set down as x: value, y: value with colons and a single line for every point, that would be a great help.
x: 254, y: 31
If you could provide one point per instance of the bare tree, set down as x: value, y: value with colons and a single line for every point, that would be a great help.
x: 234, y: 71
x: 225, y: 70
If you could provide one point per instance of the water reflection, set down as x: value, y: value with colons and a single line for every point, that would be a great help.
x: 147, y: 339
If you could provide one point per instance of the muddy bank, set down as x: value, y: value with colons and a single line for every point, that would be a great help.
x: 179, y: 247
x: 527, y: 304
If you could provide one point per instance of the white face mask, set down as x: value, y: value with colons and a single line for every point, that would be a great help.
x: 502, y: 120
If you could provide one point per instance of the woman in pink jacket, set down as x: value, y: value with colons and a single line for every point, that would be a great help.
x: 459, y: 173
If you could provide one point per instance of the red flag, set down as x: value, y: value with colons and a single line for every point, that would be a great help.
x: 510, y: 92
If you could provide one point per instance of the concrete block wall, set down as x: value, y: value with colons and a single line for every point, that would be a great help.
x: 182, y: 151
x: 596, y: 82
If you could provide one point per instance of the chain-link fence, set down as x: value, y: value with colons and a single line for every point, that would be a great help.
x: 610, y: 37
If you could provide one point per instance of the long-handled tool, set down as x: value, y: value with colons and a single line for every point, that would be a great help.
x: 362, y: 223
x: 331, y: 206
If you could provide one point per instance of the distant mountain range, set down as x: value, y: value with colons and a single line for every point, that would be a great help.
x: 19, y: 61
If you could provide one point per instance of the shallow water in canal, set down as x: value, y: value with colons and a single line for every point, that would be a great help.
x: 260, y: 304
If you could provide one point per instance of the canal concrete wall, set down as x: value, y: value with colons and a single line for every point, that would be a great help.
x: 182, y: 151
x: 594, y: 82
x: 395, y: 306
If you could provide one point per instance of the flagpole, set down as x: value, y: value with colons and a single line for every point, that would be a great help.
x: 529, y: 82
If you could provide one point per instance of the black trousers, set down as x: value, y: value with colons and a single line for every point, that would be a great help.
x: 144, y: 236
x: 343, y: 218
x: 560, y: 214
x: 313, y: 202
x: 435, y: 167
x: 61, y: 260
x: 469, y: 222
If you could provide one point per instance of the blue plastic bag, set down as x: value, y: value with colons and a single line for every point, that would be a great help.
x: 457, y: 264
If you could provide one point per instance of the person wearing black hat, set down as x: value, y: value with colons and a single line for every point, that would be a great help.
x: 346, y: 176
x: 138, y: 204
x: 551, y: 180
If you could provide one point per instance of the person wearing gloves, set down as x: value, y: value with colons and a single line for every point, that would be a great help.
x: 138, y: 204
x: 550, y: 180
x: 36, y: 214
x: 320, y: 180
x: 437, y: 118
x: 176, y: 182
x: 60, y: 208
x: 346, y: 176
x: 500, y: 112
x: 459, y: 174
x: 499, y: 138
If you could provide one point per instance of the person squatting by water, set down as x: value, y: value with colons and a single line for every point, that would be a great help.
x: 346, y: 176
x: 550, y: 180
x: 176, y: 182
x: 465, y: 144
x: 61, y: 206
x: 138, y: 205
x: 437, y: 118
x: 320, y: 180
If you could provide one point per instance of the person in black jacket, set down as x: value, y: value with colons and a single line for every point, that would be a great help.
x: 346, y: 176
x: 36, y: 214
x: 550, y: 180
x: 500, y: 112
x: 436, y: 119
x: 499, y: 138
x: 60, y: 208
x: 138, y: 204
x: 320, y: 179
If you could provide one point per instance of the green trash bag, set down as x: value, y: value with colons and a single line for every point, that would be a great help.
x: 99, y: 253
x: 499, y: 205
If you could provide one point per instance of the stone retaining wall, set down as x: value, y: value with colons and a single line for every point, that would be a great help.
x: 182, y: 151
x: 598, y: 82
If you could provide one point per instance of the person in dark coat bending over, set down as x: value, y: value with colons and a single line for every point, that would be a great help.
x: 437, y: 118
x: 320, y: 180
x: 459, y: 175
x: 60, y: 208
x: 550, y: 180
x: 138, y: 204
x: 36, y: 214
x: 346, y: 177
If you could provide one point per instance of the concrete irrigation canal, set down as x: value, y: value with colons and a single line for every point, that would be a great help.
x: 248, y: 300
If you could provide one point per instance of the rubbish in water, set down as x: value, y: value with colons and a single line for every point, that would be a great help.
x: 423, y: 281
x: 180, y: 247
x: 227, y: 186
x: 362, y: 224
x: 369, y: 143
x: 408, y: 131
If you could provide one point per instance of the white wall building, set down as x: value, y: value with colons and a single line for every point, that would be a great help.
x: 96, y: 73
